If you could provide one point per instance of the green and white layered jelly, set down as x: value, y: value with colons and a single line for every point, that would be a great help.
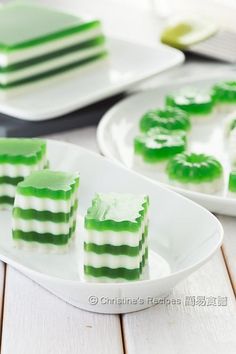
x: 18, y: 159
x: 154, y: 148
x: 45, y: 209
x: 224, y: 95
x: 116, y: 237
x: 37, y: 42
x: 198, y: 104
x: 197, y: 172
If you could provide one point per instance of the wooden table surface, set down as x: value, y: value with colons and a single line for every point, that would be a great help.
x: 37, y: 322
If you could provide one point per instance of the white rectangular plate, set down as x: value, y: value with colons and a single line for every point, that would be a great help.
x: 120, y: 124
x: 128, y: 63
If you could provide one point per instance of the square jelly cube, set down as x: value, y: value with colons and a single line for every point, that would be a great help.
x: 115, y: 247
x: 45, y: 210
x: 18, y: 159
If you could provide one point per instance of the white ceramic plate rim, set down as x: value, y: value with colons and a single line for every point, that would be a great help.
x: 123, y: 284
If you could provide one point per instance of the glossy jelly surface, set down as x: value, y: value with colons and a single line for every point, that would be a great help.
x: 192, y: 102
x: 117, y: 212
x: 49, y: 184
x: 225, y: 92
x: 21, y: 151
x: 169, y: 118
x: 156, y: 146
x: 232, y: 182
x: 194, y: 168
x: 24, y: 25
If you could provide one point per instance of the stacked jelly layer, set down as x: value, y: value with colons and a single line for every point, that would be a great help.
x: 18, y: 159
x: 115, y: 246
x: 37, y: 42
x: 45, y: 209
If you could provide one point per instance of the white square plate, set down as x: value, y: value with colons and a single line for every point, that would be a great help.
x: 128, y: 63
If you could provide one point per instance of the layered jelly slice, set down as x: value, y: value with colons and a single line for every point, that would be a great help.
x: 45, y: 209
x: 38, y: 42
x: 18, y: 159
x: 115, y: 246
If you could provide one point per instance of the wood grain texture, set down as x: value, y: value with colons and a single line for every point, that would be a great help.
x: 179, y: 329
x: 229, y: 246
x: 36, y: 322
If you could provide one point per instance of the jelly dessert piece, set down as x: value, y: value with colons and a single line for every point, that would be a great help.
x: 191, y: 101
x: 29, y: 30
x: 37, y: 42
x: 115, y: 245
x: 168, y: 118
x: 232, y: 146
x: 199, y: 172
x: 232, y: 182
x: 45, y: 209
x: 157, y: 145
x: 225, y: 92
x: 18, y: 159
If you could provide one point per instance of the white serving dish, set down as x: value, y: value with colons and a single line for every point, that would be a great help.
x: 119, y: 126
x: 125, y: 67
x: 177, y: 248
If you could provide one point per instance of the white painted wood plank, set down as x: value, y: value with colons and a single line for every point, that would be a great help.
x: 182, y: 329
x: 36, y: 322
x: 229, y: 246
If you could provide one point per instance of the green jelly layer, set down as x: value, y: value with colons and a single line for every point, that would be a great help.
x: 143, y: 261
x: 168, y: 118
x: 57, y: 71
x: 21, y: 150
x: 116, y: 212
x: 49, y: 238
x: 4, y: 199
x: 232, y: 182
x: 224, y: 92
x: 49, y: 184
x: 156, y: 147
x: 116, y: 273
x: 113, y: 273
x: 192, y: 102
x: 10, y: 180
x: 194, y: 168
x: 131, y: 251
x: 31, y: 214
x: 24, y: 25
x: 98, y: 41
